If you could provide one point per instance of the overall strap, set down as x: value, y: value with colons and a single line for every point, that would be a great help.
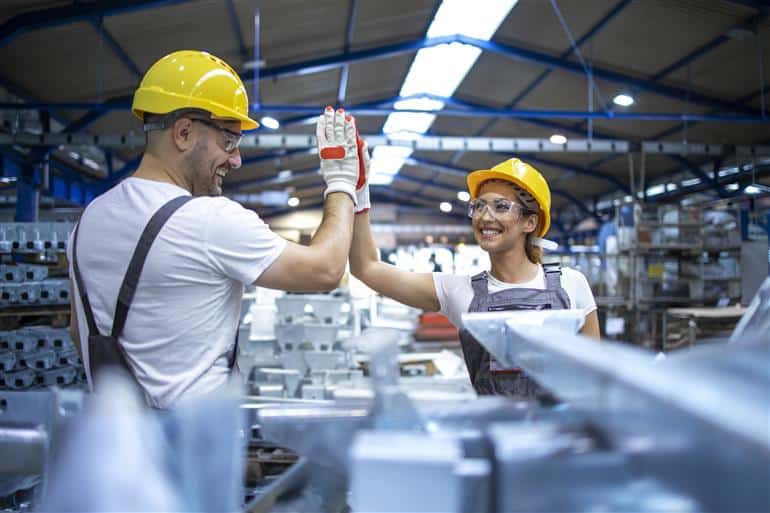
x: 480, y: 286
x: 134, y: 271
x: 552, y: 276
x: 92, y: 329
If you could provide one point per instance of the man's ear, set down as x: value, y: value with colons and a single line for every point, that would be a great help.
x: 182, y: 134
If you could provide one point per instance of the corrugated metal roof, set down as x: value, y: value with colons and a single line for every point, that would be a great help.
x: 73, y: 62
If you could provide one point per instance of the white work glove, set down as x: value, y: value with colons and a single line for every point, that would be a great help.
x: 362, y: 187
x: 336, y: 134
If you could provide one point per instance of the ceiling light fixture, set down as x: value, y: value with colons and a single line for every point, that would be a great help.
x: 558, y: 139
x: 293, y: 201
x: 624, y: 100
x: 463, y: 196
x: 269, y: 122
x: 756, y: 188
x: 445, y: 206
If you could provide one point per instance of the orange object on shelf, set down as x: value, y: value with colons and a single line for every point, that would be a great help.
x: 435, y: 326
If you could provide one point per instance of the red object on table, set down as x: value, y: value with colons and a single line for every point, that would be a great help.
x: 435, y: 326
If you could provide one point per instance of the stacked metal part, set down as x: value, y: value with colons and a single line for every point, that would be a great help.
x: 28, y: 285
x: 34, y: 237
x: 32, y: 425
x: 632, y: 433
x: 310, y: 355
x: 39, y: 356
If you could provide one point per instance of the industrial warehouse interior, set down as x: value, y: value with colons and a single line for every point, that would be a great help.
x: 384, y: 255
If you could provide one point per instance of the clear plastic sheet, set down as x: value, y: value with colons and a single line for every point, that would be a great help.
x: 121, y: 456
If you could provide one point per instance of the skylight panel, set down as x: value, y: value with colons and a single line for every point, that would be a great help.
x: 479, y: 20
x: 438, y: 71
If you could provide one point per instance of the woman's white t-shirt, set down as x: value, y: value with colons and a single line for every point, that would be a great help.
x: 455, y: 291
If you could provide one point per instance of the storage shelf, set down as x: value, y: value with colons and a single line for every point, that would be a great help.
x: 35, y: 311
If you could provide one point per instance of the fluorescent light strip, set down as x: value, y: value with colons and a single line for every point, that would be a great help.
x: 438, y: 70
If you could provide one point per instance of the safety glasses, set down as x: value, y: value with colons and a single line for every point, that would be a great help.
x: 497, y: 207
x: 232, y: 139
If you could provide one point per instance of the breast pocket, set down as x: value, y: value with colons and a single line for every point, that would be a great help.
x: 519, y: 306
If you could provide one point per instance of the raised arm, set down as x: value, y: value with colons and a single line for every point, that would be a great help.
x: 320, y: 265
x: 410, y: 288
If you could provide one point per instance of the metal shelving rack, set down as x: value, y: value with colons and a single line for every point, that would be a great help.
x: 669, y: 257
x: 35, y: 346
x: 679, y: 258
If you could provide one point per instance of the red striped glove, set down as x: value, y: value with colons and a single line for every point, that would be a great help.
x: 338, y: 151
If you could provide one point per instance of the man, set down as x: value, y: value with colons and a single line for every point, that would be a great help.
x: 174, y: 327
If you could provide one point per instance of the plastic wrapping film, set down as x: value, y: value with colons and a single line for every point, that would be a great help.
x: 131, y: 458
x: 755, y: 323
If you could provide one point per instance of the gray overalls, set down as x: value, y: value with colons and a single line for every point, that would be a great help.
x: 487, y: 375
x: 106, y: 350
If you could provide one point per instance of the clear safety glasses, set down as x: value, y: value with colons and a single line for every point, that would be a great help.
x: 497, y: 207
x: 232, y: 139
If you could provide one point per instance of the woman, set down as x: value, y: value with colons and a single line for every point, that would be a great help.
x: 510, y: 212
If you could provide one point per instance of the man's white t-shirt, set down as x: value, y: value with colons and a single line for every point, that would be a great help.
x: 455, y: 292
x: 182, y: 324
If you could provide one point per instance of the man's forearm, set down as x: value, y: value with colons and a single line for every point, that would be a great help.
x: 332, y: 239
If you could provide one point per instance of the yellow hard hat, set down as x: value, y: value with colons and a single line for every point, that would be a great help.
x: 523, y: 175
x: 191, y: 79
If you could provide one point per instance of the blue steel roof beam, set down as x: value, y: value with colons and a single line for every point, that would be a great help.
x: 128, y: 168
x: 27, y: 96
x: 497, y: 113
x: 759, y: 5
x: 506, y: 50
x: 118, y: 50
x: 66, y: 15
x: 516, y: 52
x: 380, y: 193
x: 462, y: 173
x: 335, y: 61
x: 699, y: 52
x: 302, y: 119
x: 531, y: 87
x: 745, y: 99
x: 276, y: 155
x: 266, y: 214
x: 72, y: 186
x: 586, y: 37
x: 760, y: 172
x: 436, y: 166
x: 698, y: 172
x: 573, y: 200
x: 539, y: 122
x: 85, y: 121
x: 345, y: 70
x: 480, y: 112
x: 274, y: 180
x: 578, y: 170
x: 236, y: 26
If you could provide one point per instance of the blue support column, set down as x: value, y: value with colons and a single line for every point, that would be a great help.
x: 744, y: 224
x: 345, y: 70
x: 27, y: 192
x: 27, y: 201
x: 256, y: 75
x: 235, y: 24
